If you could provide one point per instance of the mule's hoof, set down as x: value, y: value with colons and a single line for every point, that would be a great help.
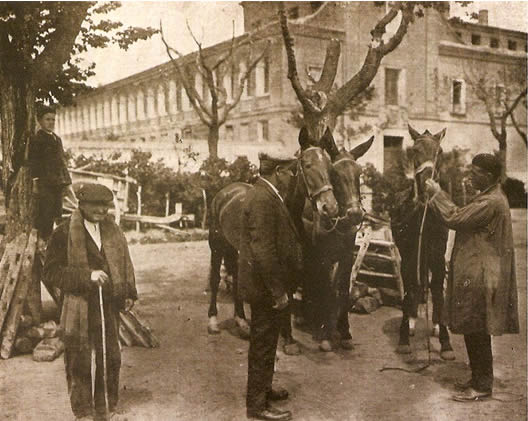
x: 243, y: 327
x: 292, y: 349
x: 347, y: 344
x: 404, y: 349
x: 447, y: 355
x: 212, y: 326
x: 436, y: 331
x: 326, y: 346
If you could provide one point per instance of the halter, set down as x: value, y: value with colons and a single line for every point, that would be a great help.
x: 312, y: 195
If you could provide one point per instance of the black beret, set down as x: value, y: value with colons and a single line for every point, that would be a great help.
x: 268, y: 161
x: 488, y: 162
x: 92, y: 192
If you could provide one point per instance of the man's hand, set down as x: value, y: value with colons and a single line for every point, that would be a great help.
x: 99, y: 277
x: 432, y: 187
x: 281, y: 303
x: 129, y: 303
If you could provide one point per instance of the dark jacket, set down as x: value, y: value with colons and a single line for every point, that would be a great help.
x: 270, y: 251
x: 481, y: 293
x: 47, y: 161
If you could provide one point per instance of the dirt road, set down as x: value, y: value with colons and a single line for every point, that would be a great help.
x: 195, y: 376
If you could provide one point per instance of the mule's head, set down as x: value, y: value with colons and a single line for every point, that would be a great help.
x: 424, y: 153
x: 346, y: 182
x: 314, y: 171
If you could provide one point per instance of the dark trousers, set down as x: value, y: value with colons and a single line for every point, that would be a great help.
x: 49, y: 209
x: 478, y: 347
x: 265, y: 326
x: 78, y: 364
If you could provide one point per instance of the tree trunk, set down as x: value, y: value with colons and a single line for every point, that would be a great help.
x: 212, y: 140
x: 17, y: 116
x: 316, y: 123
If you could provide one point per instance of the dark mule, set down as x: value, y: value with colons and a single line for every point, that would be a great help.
x: 329, y: 247
x: 406, y: 219
x: 311, y: 180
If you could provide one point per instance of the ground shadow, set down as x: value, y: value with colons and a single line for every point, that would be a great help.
x: 131, y: 397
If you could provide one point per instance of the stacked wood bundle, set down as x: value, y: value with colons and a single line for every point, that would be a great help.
x: 134, y: 331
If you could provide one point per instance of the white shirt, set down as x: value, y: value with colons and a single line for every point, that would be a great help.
x: 273, y: 188
x: 95, y: 232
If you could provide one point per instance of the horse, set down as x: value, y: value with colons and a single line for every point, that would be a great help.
x: 328, y: 249
x: 311, y: 181
x: 406, y: 219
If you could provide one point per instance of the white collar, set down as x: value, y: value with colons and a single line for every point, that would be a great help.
x: 273, y: 188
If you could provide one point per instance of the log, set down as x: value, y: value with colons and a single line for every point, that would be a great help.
x: 5, y: 262
x: 124, y: 336
x: 24, y: 345
x: 12, y: 277
x: 33, y: 300
x: 140, y: 332
x: 10, y: 328
x: 360, y: 255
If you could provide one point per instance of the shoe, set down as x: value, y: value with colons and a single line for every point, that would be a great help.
x: 277, y: 394
x: 463, y: 385
x: 448, y: 355
x: 347, y: 344
x: 271, y: 414
x: 471, y: 395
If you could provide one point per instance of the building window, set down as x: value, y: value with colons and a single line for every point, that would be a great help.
x: 475, y: 39
x: 179, y: 97
x: 512, y: 45
x: 391, y: 86
x: 229, y: 133
x: 459, y: 34
x: 494, y: 43
x: 251, y: 83
x: 266, y: 75
x: 244, y: 132
x: 458, y: 97
x: 392, y: 153
x: 262, y: 131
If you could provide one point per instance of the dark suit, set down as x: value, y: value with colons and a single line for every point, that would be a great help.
x: 270, y: 256
x: 48, y: 164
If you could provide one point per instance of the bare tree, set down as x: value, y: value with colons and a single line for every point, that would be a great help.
x: 213, y: 104
x: 321, y: 106
x: 501, y: 94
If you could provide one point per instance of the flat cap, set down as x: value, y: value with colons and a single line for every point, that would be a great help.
x: 488, y: 162
x: 269, y: 160
x: 93, y: 192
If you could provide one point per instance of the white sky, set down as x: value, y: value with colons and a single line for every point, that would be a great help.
x: 212, y: 22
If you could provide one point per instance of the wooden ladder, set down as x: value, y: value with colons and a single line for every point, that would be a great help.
x: 389, y: 253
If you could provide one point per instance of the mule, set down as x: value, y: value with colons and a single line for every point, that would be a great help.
x: 311, y: 181
x: 406, y: 220
x: 328, y: 249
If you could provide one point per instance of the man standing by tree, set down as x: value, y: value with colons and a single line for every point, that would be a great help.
x: 270, y: 255
x: 48, y: 167
x: 481, y: 296
x: 84, y: 253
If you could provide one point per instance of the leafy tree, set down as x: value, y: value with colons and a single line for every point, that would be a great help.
x: 40, y: 44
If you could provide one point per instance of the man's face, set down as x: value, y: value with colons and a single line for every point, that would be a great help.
x: 284, y: 176
x: 47, y: 122
x: 94, y: 211
x: 480, y: 179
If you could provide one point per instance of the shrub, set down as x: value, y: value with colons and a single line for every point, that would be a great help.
x: 515, y: 192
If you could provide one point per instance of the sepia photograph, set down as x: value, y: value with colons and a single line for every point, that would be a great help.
x: 263, y: 210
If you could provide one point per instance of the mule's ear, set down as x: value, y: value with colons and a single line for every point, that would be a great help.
x: 304, y: 138
x: 440, y: 135
x: 362, y: 149
x: 414, y: 134
x: 327, y: 142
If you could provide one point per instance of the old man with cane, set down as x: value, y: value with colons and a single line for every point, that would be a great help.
x: 88, y: 260
x: 481, y: 294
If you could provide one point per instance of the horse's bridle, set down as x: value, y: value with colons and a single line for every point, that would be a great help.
x: 312, y: 195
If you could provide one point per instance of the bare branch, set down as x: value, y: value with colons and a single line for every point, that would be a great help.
x: 377, y: 50
x: 229, y: 54
x: 190, y: 90
x: 511, y: 113
x: 58, y: 50
x: 308, y: 106
x: 328, y: 75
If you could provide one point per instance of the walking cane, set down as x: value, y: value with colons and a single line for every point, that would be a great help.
x: 103, y: 333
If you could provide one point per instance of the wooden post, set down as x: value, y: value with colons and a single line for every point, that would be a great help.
x: 204, y: 217
x: 138, y: 224
x: 167, y: 203
x: 10, y: 328
x: 34, y: 300
x: 9, y: 251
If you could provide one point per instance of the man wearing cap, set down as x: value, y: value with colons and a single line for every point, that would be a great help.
x: 481, y: 295
x: 269, y: 258
x: 48, y: 167
x: 85, y: 252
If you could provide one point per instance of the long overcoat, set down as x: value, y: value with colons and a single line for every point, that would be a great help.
x: 481, y: 293
x: 270, y: 252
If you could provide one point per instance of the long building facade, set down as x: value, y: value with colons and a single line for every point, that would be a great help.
x: 428, y: 81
